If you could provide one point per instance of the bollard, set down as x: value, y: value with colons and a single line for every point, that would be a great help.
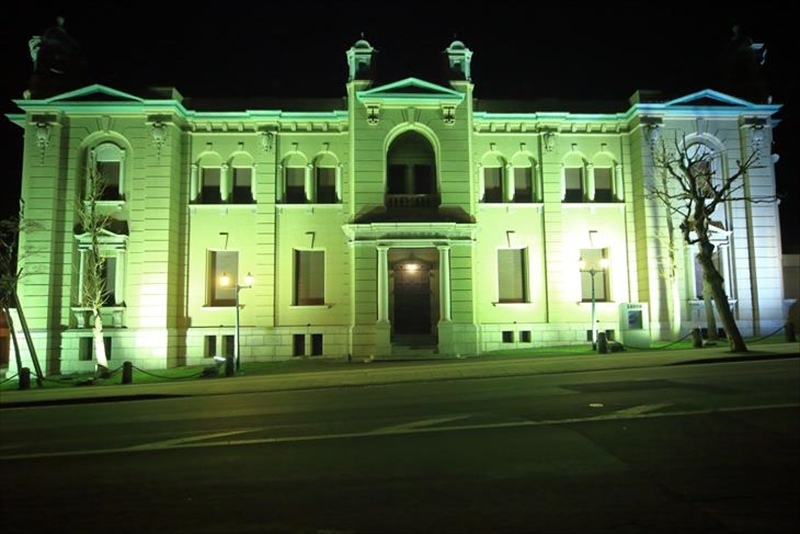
x: 127, y: 373
x: 697, y: 338
x: 229, y: 367
x: 789, y: 332
x: 25, y: 378
x: 602, y: 343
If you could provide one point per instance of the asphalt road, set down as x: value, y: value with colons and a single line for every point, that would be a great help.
x: 694, y: 448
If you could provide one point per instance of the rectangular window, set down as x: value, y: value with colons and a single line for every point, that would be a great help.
x: 295, y: 185
x: 309, y: 277
x: 523, y: 184
x: 209, y: 187
x: 228, y: 345
x: 508, y: 336
x: 210, y: 349
x: 525, y: 336
x: 109, y: 281
x: 512, y: 275
x: 424, y: 180
x: 396, y: 180
x: 492, y: 184
x: 316, y: 344
x: 109, y: 172
x: 573, y: 184
x: 326, y: 185
x: 222, y: 262
x: 242, y: 185
x: 602, y: 185
x: 86, y: 348
x: 594, y: 275
x: 298, y: 345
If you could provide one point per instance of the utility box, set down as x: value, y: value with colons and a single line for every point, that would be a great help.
x: 634, y: 325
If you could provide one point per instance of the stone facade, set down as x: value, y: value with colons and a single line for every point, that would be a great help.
x: 407, y: 210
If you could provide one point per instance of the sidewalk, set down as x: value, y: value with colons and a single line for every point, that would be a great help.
x: 389, y: 372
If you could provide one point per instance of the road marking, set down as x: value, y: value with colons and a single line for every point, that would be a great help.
x: 372, y: 434
x: 641, y: 409
x: 169, y: 443
x: 399, y: 429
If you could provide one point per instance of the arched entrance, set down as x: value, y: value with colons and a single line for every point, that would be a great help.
x: 414, y: 295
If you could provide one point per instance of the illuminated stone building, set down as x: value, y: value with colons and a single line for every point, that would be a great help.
x: 407, y: 213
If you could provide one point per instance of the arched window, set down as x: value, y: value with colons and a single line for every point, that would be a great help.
x: 411, y: 166
x: 295, y: 171
x: 574, y: 178
x: 604, y: 183
x: 241, y: 179
x: 524, y: 169
x: 702, y: 166
x: 493, y: 166
x: 326, y: 188
x: 107, y: 164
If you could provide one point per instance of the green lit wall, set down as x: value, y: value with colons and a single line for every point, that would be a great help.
x: 167, y: 320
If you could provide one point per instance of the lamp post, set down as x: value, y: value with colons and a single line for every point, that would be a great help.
x: 225, y: 281
x: 593, y: 270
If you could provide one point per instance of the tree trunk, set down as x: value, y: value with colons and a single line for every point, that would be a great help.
x: 711, y: 319
x: 715, y: 283
x: 99, y: 345
x: 675, y: 311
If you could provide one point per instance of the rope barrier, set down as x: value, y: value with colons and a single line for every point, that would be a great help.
x: 658, y: 348
x: 196, y: 375
x: 9, y: 378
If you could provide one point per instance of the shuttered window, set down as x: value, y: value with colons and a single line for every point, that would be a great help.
x: 209, y: 191
x: 326, y: 185
x: 295, y: 185
x: 492, y: 184
x: 603, y: 191
x: 222, y: 262
x: 309, y: 279
x: 512, y: 275
x: 523, y: 184
x: 242, y: 185
x: 573, y: 184
x: 593, y: 261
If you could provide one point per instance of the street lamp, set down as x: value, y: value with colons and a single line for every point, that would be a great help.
x: 225, y: 281
x: 593, y: 270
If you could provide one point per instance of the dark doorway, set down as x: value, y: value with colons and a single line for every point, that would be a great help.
x: 412, y: 298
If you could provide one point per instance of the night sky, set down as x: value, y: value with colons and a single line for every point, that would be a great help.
x: 531, y: 50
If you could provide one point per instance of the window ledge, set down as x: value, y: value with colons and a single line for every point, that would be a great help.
x: 513, y: 304
x: 311, y: 306
x: 510, y: 204
x: 117, y: 203
x: 310, y: 205
x: 591, y: 204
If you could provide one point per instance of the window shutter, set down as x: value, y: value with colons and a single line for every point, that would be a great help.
x: 511, y: 275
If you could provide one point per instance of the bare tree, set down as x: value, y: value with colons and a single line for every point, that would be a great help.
x: 669, y: 270
x: 10, y: 275
x: 691, y: 193
x: 95, y: 293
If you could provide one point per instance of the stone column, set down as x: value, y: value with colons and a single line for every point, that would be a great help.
x: 619, y: 183
x: 310, y: 186
x: 383, y: 284
x: 444, y: 283
x: 225, y: 182
x: 508, y: 183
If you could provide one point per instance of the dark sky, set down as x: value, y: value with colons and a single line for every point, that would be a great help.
x: 521, y: 50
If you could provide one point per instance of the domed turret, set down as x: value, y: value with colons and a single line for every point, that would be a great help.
x: 361, y: 61
x: 459, y: 59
